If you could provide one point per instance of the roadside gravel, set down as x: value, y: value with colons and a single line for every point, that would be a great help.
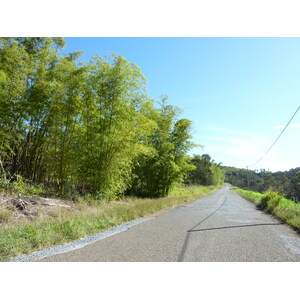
x: 78, y: 243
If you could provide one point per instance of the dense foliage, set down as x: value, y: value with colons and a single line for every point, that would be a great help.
x: 206, y: 171
x: 155, y: 173
x: 78, y: 128
x: 286, y: 183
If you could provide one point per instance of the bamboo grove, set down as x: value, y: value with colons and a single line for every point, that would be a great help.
x: 80, y: 128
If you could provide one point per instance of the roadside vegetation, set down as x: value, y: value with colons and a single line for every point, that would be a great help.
x: 285, y: 183
x: 83, y: 147
x: 64, y: 224
x: 72, y: 128
x: 285, y: 209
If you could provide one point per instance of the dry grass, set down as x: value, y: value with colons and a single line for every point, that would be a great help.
x: 5, y: 215
x: 61, y: 224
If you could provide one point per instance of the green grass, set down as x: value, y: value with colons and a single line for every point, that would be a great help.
x: 285, y: 209
x: 191, y: 190
x: 65, y: 225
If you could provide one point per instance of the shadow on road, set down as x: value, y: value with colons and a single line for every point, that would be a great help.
x: 238, y: 226
x: 185, y: 244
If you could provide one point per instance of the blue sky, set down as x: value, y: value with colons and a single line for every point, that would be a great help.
x: 238, y: 92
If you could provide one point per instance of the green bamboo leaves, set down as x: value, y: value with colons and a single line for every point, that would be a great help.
x: 85, y: 128
x: 156, y: 174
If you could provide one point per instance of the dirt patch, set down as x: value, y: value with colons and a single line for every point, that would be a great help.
x: 29, y: 207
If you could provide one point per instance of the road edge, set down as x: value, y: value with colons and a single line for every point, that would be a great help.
x: 78, y: 243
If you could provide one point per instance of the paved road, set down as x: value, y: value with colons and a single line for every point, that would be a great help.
x: 219, y: 227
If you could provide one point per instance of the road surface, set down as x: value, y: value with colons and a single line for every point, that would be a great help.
x: 217, y: 228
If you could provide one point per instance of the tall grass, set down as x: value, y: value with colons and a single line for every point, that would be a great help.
x: 85, y: 219
x: 285, y: 209
x: 190, y: 190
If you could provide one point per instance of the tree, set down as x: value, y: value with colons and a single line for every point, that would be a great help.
x: 156, y: 173
x: 285, y: 183
x: 85, y: 128
x: 15, y: 68
x: 112, y: 124
x: 298, y: 177
x: 26, y: 63
x: 206, y: 171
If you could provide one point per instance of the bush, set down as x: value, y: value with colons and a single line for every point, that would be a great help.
x: 270, y: 201
x: 23, y: 187
x: 285, y: 209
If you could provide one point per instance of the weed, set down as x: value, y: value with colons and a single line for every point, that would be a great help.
x: 65, y: 225
x: 270, y: 200
x: 25, y: 188
x: 285, y: 209
x: 5, y: 215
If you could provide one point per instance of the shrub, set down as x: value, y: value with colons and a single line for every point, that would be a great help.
x: 270, y: 201
x: 23, y: 187
x: 287, y: 210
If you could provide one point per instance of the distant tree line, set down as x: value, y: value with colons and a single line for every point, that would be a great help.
x: 206, y: 171
x: 287, y: 183
x: 88, y: 127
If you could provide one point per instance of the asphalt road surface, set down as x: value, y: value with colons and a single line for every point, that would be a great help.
x: 219, y: 227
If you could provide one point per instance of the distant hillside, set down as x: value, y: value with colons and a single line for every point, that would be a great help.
x: 285, y: 183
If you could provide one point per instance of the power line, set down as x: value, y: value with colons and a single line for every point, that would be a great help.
x: 276, y: 139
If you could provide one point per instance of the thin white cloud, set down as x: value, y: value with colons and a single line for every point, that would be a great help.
x: 227, y: 131
x: 235, y: 147
x: 296, y: 125
x: 240, y: 146
x: 278, y: 127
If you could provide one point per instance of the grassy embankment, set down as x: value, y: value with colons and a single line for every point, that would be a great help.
x: 274, y: 203
x: 65, y: 225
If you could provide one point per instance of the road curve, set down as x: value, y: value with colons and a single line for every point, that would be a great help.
x: 217, y: 228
